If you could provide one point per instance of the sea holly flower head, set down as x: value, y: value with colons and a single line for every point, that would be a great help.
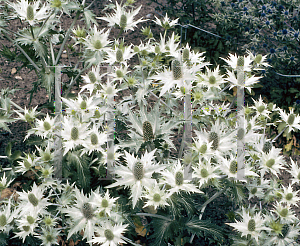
x: 247, y: 83
x: 49, y: 236
x: 292, y: 120
x: 82, y: 215
x: 73, y: 134
x: 289, y: 196
x: 108, y: 90
x: 4, y: 182
x: 148, y: 127
x: 261, y: 107
x: 103, y: 204
x: 271, y: 161
x: 122, y: 18
x: 96, y: 44
x: 28, y: 162
x: 250, y: 225
x: 294, y: 170
x: 28, y: 115
x: 80, y: 35
x: 175, y: 178
x: 179, y: 75
x: 32, y: 12
x: 155, y: 196
x: 119, y: 54
x: 33, y: 201
x: 7, y: 215
x: 93, y: 79
x: 166, y: 23
x: 137, y: 174
x: 109, y: 235
x: 212, y: 79
x: 259, y: 61
x: 94, y: 141
x: 44, y: 127
x: 205, y: 171
x: 235, y: 61
x: 284, y: 212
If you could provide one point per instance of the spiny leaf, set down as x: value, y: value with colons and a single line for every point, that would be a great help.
x: 82, y: 165
x: 194, y: 225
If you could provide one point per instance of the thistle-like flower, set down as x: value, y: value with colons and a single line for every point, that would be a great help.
x: 49, y: 236
x: 148, y: 127
x: 73, y: 134
x: 104, y: 204
x: 28, y: 115
x: 205, y: 171
x: 250, y: 225
x: 156, y: 197
x: 33, y: 201
x: 247, y: 83
x: 32, y: 12
x: 109, y: 235
x: 289, y: 196
x: 175, y: 178
x: 7, y: 216
x: 97, y: 40
x: 122, y: 19
x: 94, y: 141
x: 82, y: 215
x: 272, y: 162
x: 166, y: 23
x: 179, y: 75
x: 44, y: 128
x: 119, y: 55
x: 28, y: 162
x: 229, y: 167
x: 212, y: 79
x: 285, y: 213
x: 137, y: 174
x: 291, y: 120
x: 93, y: 79
x: 294, y: 170
x: 261, y: 107
x: 233, y: 61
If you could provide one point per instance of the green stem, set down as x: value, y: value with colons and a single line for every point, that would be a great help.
x: 44, y: 24
x: 24, y: 53
x: 204, y: 206
x: 121, y: 31
x: 153, y: 215
x: 279, y: 134
x: 66, y: 37
x: 15, y: 33
x: 31, y: 29
x: 73, y: 81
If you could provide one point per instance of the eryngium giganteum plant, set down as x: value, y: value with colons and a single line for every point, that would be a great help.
x: 149, y: 122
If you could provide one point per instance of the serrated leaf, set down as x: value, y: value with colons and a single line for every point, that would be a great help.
x: 89, y: 18
x: 194, y: 225
x: 82, y: 164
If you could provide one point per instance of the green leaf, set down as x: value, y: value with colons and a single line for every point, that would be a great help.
x: 293, y: 90
x: 89, y: 18
x: 194, y: 225
x: 82, y: 165
x: 7, y: 53
x: 8, y: 149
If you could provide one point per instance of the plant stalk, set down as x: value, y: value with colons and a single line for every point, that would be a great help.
x: 66, y: 38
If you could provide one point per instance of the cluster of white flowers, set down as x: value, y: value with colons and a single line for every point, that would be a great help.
x: 144, y: 159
